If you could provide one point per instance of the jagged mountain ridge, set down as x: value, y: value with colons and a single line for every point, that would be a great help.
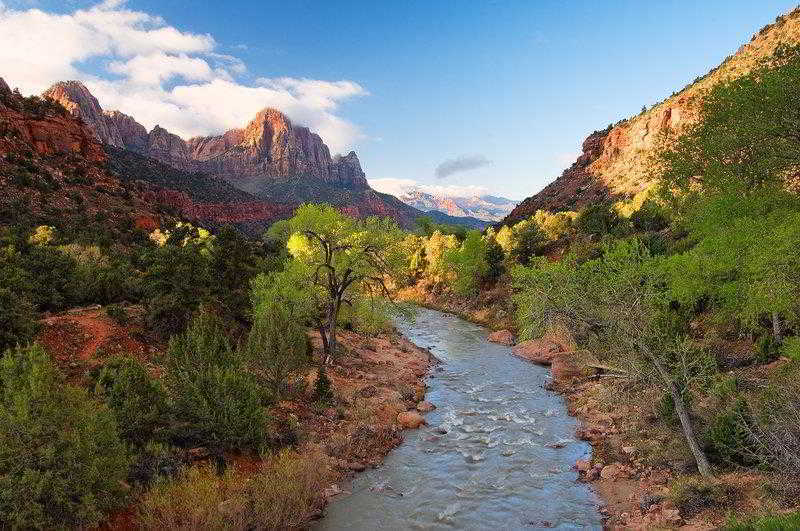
x: 486, y: 208
x: 618, y: 161
x: 54, y: 171
x: 269, y: 146
x: 276, y: 163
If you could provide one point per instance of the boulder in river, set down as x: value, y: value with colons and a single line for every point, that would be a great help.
x: 425, y: 406
x: 410, y: 419
x: 504, y: 337
x: 539, y: 351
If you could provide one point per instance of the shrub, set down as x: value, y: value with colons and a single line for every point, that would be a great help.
x: 791, y: 348
x: 136, y: 400
x: 528, y: 242
x: 495, y: 258
x: 784, y: 522
x: 117, y: 313
x: 323, y: 391
x: 598, y: 219
x: 52, y: 277
x: 277, y: 345
x: 468, y: 263
x: 62, y: 462
x: 728, y: 437
x: 156, y: 460
x: 693, y: 495
x: 17, y: 319
x: 214, y: 400
x: 280, y: 495
x: 650, y: 217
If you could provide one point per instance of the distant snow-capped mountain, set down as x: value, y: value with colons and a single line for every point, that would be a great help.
x: 485, y: 207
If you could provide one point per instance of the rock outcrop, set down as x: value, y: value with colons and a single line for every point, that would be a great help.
x: 618, y: 162
x: 77, y: 99
x: 269, y: 147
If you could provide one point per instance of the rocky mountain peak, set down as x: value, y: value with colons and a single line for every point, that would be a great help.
x: 269, y: 148
x: 77, y: 99
x: 4, y: 88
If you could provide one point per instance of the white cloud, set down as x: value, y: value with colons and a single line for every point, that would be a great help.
x: 159, y: 74
x: 397, y: 187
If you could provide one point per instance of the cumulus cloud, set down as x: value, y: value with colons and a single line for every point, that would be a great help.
x: 397, y: 187
x: 461, y: 164
x: 160, y: 74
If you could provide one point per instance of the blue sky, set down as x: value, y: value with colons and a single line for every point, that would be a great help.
x: 515, y: 85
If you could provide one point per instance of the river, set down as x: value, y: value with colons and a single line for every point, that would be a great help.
x: 497, y: 453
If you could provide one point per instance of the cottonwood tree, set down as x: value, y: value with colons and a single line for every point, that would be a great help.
x: 345, y: 258
x: 617, y: 302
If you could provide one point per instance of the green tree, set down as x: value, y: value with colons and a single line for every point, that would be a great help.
x: 214, y: 400
x: 748, y: 134
x: 620, y: 301
x: 232, y: 265
x: 345, y: 258
x: 468, y: 264
x: 277, y: 344
x: 136, y: 399
x: 528, y: 241
x: 62, y: 463
x: 17, y: 313
x: 598, y: 219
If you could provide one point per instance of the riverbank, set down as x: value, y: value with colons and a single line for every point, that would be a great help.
x: 491, y: 307
x: 374, y: 380
x: 640, y: 466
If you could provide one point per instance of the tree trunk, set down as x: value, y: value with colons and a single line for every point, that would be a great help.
x: 686, y: 421
x: 777, y: 332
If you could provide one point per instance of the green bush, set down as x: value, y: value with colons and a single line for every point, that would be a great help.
x: 791, y: 348
x: 784, y: 522
x: 693, y: 495
x: 62, y: 463
x: 215, y: 402
x: 768, y: 348
x: 728, y: 440
x: 155, y: 461
x: 137, y: 401
x: 117, y: 313
x: 495, y: 258
x: 17, y: 319
x: 649, y: 218
x: 323, y: 389
x: 468, y: 263
x: 598, y: 219
x: 277, y: 345
x: 53, y: 276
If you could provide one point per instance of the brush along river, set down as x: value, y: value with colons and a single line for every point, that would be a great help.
x: 496, y: 454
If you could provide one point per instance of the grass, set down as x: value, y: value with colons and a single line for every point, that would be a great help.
x: 281, y: 493
x: 785, y: 522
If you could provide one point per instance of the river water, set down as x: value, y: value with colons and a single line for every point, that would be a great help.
x: 487, y: 459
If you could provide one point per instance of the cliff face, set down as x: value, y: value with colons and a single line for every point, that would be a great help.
x: 48, y: 133
x: 575, y: 188
x: 622, y: 164
x: 54, y: 171
x: 270, y: 147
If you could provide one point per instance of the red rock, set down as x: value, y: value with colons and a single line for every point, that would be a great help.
x: 582, y: 465
x: 539, y: 351
x: 504, y: 337
x: 410, y: 419
x: 425, y: 407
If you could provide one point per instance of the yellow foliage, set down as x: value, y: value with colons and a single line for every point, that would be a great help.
x: 43, y: 235
x: 556, y: 225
